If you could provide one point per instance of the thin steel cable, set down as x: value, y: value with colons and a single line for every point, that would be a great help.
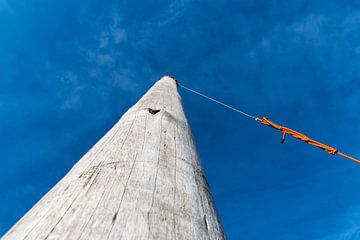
x: 218, y: 102
x: 285, y: 130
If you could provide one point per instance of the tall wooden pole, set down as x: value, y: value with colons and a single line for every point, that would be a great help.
x: 142, y: 180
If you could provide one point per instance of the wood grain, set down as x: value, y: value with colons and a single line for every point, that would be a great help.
x: 142, y: 180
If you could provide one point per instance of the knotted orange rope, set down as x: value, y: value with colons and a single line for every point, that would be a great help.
x: 267, y: 122
x: 304, y: 138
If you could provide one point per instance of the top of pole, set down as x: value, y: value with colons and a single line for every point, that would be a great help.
x: 168, y: 76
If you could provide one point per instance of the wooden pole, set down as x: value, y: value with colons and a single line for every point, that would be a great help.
x: 142, y: 180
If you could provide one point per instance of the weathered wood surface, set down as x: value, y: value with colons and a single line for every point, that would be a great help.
x: 142, y: 180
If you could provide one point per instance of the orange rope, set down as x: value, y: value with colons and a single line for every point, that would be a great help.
x: 284, y: 130
x: 304, y: 138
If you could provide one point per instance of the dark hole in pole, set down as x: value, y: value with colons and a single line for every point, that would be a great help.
x: 153, y: 111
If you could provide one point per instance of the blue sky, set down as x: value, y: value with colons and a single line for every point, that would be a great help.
x: 70, y: 69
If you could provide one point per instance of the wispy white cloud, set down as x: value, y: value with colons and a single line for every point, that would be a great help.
x: 104, y: 59
x: 350, y: 229
x: 69, y: 77
x: 124, y: 81
x: 112, y: 33
x: 103, y: 40
x: 71, y: 91
x: 119, y: 35
x: 101, y: 59
x: 310, y: 26
x: 72, y: 102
